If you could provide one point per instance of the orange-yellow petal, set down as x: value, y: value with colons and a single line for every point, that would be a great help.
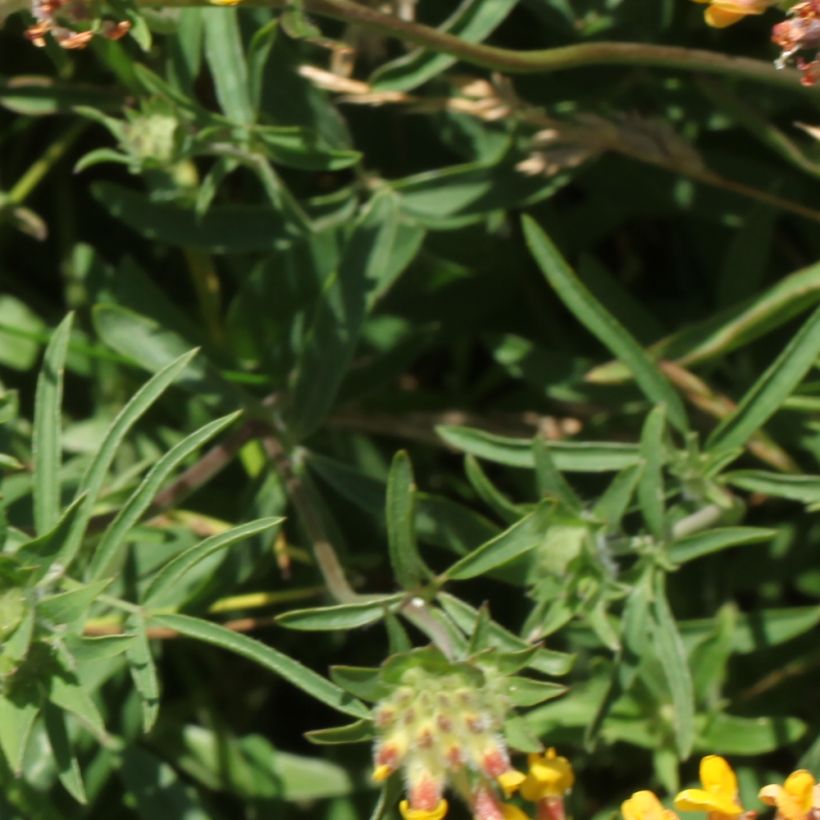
x: 643, y: 805
x: 701, y: 800
x: 511, y: 812
x: 550, y: 775
x: 409, y: 813
x: 794, y: 798
x: 381, y: 773
x: 510, y: 781
x: 720, y: 17
x: 717, y: 776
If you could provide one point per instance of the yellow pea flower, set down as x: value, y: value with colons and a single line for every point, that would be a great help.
x: 511, y: 812
x: 794, y: 798
x: 644, y: 805
x: 718, y: 796
x: 550, y: 775
x: 722, y: 13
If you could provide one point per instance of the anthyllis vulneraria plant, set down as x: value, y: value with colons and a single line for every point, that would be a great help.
x: 797, y: 799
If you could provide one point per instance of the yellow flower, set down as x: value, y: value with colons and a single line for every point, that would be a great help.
x: 511, y: 812
x: 722, y: 13
x: 423, y: 814
x: 644, y: 805
x: 794, y: 798
x: 719, y: 793
x: 549, y: 776
x: 510, y: 781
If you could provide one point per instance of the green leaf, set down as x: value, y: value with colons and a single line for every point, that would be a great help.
x: 174, y: 569
x: 408, y: 567
x: 472, y: 21
x: 514, y: 542
x: 548, y: 662
x: 302, y: 148
x: 671, y: 654
x: 613, y: 504
x: 291, y: 670
x: 40, y: 552
x: 528, y: 692
x: 592, y: 314
x: 359, y: 732
x: 361, y: 681
x: 224, y: 229
x: 92, y: 480
x: 143, y: 671
x: 19, y: 707
x: 651, y: 494
x: 109, y: 550
x: 803, y: 488
x: 739, y: 325
x: 152, y: 345
x: 706, y: 543
x: 226, y: 59
x: 68, y: 693
x: 156, y: 790
x: 551, y: 483
x: 520, y: 736
x: 87, y: 650
x: 67, y: 607
x: 461, y: 194
x: 333, y: 334
x: 46, y: 434
x: 65, y: 762
x: 568, y: 456
x: 770, y: 391
x: 735, y: 735
x: 502, y: 506
x: 340, y: 616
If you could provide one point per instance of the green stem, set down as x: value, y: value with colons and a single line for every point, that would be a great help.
x: 40, y: 167
x: 537, y: 61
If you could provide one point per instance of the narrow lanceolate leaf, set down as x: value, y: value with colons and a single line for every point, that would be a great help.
x: 568, y: 456
x: 41, y: 552
x: 651, y: 485
x: 113, y: 540
x: 67, y: 692
x: 226, y: 59
x: 671, y: 653
x: 803, y: 488
x: 46, y: 434
x: 143, y: 672
x: 67, y: 607
x: 92, y: 481
x: 519, y: 539
x: 187, y: 559
x: 291, y: 670
x: 594, y: 316
x: 18, y: 709
x: 770, y: 391
x: 528, y: 692
x: 358, y: 732
x: 550, y: 481
x: 65, y: 762
x: 612, y: 505
x: 705, y: 543
x: 472, y: 21
x: 407, y: 565
x: 342, y: 616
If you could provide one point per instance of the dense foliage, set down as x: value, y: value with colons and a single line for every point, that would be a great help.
x: 360, y: 404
